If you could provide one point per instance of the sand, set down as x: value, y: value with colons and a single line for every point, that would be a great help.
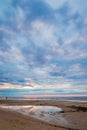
x: 74, y: 112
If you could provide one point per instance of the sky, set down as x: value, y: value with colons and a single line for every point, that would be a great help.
x: 43, y: 47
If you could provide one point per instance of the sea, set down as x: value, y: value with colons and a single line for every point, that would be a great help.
x: 71, y: 99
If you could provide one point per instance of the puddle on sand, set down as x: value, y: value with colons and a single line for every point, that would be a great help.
x: 48, y: 114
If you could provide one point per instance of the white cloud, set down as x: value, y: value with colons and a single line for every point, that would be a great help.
x: 20, y: 17
x: 43, y: 33
x: 76, y: 70
x: 12, y: 55
x: 55, y: 3
x: 9, y: 86
x: 28, y: 85
x: 59, y: 42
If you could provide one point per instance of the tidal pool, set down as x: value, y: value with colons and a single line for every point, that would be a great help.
x: 48, y: 114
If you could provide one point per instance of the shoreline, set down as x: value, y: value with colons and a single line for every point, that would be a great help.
x: 30, y: 119
x: 75, y: 113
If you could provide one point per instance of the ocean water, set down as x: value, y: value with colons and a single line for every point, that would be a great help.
x: 73, y: 99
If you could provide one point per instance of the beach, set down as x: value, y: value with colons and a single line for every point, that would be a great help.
x: 75, y: 113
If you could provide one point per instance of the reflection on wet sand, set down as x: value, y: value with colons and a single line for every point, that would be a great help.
x: 48, y: 114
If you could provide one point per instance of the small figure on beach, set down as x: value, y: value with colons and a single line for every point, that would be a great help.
x: 6, y: 98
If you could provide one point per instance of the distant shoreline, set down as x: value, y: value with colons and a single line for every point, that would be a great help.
x: 69, y: 99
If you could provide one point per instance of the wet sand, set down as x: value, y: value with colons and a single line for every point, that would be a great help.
x: 74, y: 112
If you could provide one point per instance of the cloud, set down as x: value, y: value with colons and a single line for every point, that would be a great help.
x: 44, y: 42
x: 55, y: 4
